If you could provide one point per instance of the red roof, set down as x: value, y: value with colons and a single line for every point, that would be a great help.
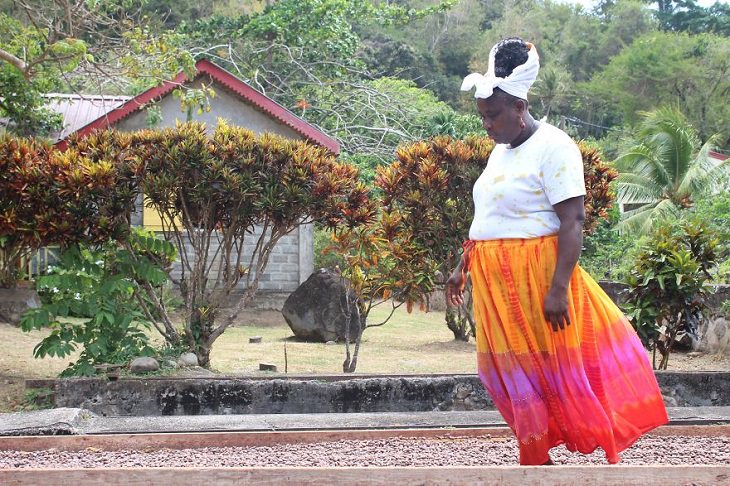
x: 718, y: 155
x: 258, y: 100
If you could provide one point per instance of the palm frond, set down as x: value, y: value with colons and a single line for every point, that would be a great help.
x: 643, y: 219
x: 633, y: 188
x: 706, y: 172
x: 635, y: 220
x: 673, y: 138
x: 641, y: 160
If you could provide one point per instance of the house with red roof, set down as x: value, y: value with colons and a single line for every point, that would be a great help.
x: 292, y: 261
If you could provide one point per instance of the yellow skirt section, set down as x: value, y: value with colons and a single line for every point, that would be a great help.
x: 590, y: 385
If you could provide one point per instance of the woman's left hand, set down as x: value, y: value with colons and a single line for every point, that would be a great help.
x: 556, y: 308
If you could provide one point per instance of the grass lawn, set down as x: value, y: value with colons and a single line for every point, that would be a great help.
x: 410, y: 343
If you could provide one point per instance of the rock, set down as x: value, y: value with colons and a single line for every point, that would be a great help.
x: 670, y: 401
x: 694, y: 354
x: 195, y: 372
x: 255, y: 339
x: 331, y: 343
x: 145, y: 364
x: 315, y: 310
x: 715, y: 336
x: 267, y: 367
x: 14, y: 302
x: 170, y: 363
x: 188, y: 359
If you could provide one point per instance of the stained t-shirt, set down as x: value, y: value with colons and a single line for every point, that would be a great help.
x: 514, y: 196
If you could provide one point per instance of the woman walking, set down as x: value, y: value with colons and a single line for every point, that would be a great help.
x: 559, y: 359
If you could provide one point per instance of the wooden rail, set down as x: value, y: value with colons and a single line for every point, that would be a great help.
x: 495, y: 475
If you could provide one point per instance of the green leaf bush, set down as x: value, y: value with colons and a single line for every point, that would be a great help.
x: 99, y: 286
x: 669, y: 284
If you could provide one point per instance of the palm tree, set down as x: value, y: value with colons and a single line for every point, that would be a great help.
x: 665, y: 171
x: 551, y: 87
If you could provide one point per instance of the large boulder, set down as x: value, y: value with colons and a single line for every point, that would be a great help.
x: 14, y: 302
x: 316, y: 310
x: 715, y: 336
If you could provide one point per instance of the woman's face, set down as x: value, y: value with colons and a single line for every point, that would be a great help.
x: 501, y: 117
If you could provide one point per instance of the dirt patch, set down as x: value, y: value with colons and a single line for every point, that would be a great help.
x: 260, y: 318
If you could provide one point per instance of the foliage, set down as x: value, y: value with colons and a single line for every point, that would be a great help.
x: 714, y: 209
x: 669, y: 284
x: 66, y: 45
x: 402, y: 112
x: 225, y: 200
x: 323, y: 28
x: 52, y: 198
x: 608, y: 254
x: 430, y: 185
x: 323, y: 256
x: 22, y: 102
x: 687, y: 15
x: 726, y: 307
x: 371, y: 118
x: 101, y: 284
x: 690, y: 72
x: 38, y: 399
x: 430, y: 182
x: 598, y: 178
x: 382, y: 264
x: 313, y: 64
x: 454, y: 125
x: 665, y: 171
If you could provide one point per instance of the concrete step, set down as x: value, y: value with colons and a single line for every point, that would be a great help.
x: 70, y: 421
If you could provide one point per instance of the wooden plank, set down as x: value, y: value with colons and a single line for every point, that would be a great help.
x: 247, y: 439
x: 228, y: 439
x: 497, y: 475
x: 692, y: 430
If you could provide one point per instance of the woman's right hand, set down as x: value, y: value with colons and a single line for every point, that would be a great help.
x: 455, y: 287
x: 457, y: 281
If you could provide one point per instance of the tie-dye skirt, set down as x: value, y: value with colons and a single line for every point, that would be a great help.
x: 590, y: 385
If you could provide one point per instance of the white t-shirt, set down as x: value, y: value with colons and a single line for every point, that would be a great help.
x: 514, y: 196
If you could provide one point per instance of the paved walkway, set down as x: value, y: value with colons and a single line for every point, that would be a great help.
x: 77, y: 421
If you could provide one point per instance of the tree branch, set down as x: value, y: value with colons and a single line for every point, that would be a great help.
x: 15, y: 61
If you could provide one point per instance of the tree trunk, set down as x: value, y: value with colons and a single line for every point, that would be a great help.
x: 201, y: 327
x: 460, y: 320
x: 350, y: 363
x: 458, y: 324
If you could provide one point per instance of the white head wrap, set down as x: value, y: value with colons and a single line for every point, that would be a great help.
x: 517, y: 84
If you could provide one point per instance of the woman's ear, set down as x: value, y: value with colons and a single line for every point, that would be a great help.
x: 520, y: 105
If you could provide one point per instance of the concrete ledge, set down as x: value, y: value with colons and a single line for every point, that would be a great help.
x: 334, y: 394
x: 82, y: 422
x: 57, y: 421
x: 495, y: 475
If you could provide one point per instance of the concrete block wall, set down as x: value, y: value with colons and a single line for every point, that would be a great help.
x: 290, y: 264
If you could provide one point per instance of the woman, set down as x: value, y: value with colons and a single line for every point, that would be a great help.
x: 560, y: 361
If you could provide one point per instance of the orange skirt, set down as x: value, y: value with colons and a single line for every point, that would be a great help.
x: 590, y: 385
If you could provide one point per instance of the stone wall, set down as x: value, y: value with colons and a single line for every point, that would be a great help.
x: 226, y: 395
x: 290, y: 263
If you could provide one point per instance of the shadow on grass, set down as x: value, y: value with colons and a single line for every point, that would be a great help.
x: 452, y: 345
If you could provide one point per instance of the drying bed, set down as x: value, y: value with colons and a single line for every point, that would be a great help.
x: 669, y: 455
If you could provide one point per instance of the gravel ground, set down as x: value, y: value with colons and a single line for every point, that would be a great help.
x: 675, y: 450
